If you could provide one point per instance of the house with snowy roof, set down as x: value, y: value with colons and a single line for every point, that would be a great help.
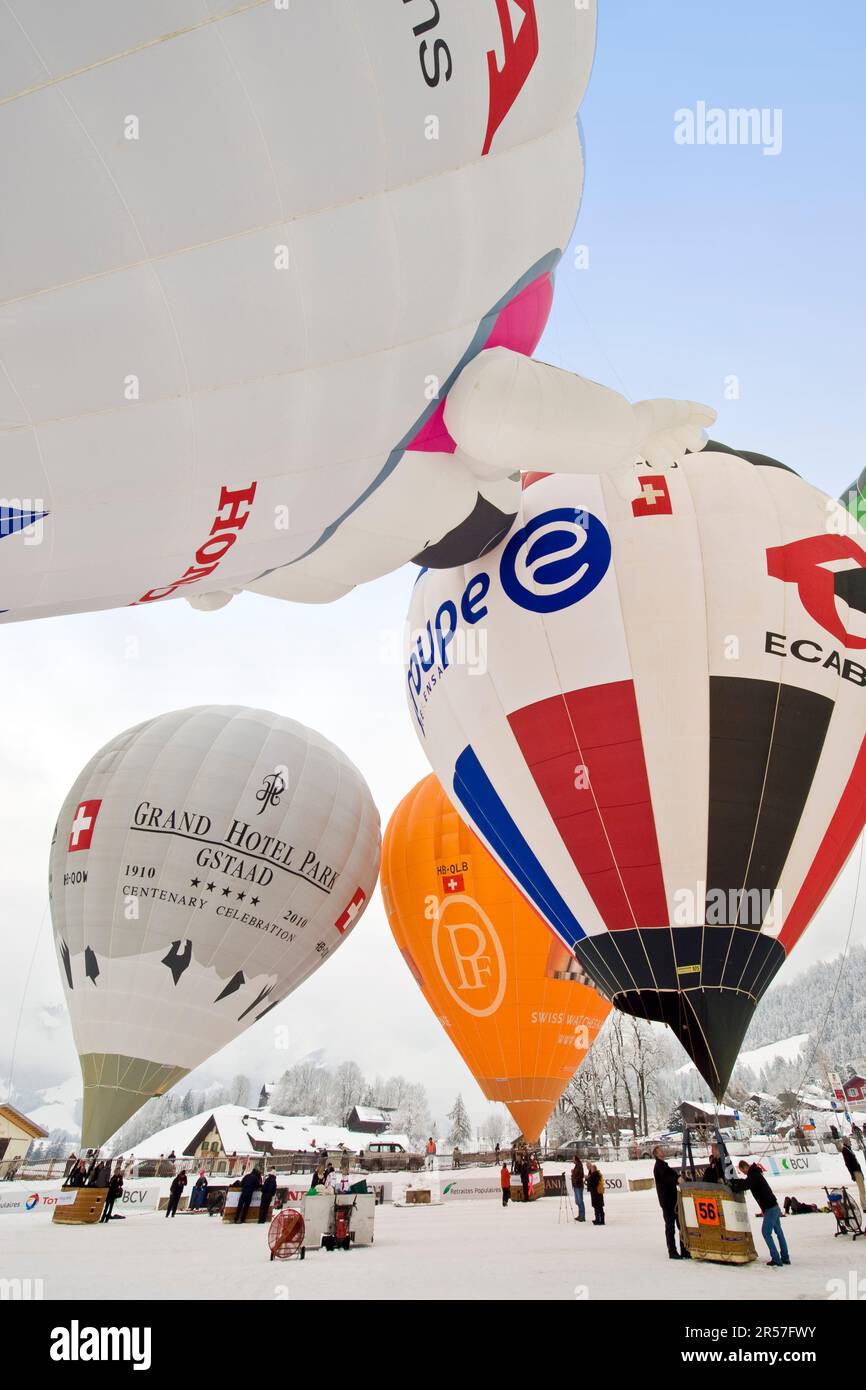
x: 17, y: 1133
x: 368, y: 1119
x: 215, y: 1137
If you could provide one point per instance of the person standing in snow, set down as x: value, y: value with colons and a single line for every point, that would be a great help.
x: 175, y: 1192
x: 578, y: 1178
x: 115, y: 1187
x: 269, y: 1187
x: 852, y: 1163
x: 198, y: 1196
x: 753, y: 1181
x: 524, y: 1171
x: 430, y: 1153
x: 505, y: 1184
x: 250, y: 1183
x: 595, y: 1187
x: 667, y: 1190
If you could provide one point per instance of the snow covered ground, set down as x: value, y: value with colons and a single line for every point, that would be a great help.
x: 469, y: 1250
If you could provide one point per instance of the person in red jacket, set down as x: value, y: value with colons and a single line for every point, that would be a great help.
x: 505, y: 1184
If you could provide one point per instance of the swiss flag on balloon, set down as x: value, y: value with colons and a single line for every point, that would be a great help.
x: 346, y: 918
x: 453, y: 883
x: 655, y: 499
x: 83, y: 824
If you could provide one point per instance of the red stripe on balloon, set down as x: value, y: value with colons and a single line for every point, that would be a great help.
x: 585, y: 752
x: 840, y: 838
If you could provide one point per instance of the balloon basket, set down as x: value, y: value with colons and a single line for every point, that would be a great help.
x: 85, y: 1210
x: 714, y: 1224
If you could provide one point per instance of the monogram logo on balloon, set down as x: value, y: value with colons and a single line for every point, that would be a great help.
x: 271, y: 790
x: 555, y: 560
x: 469, y: 955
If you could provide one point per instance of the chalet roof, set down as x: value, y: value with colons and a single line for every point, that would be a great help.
x: 15, y: 1117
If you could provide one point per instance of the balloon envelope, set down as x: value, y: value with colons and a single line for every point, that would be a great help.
x: 203, y: 865
x: 650, y: 703
x: 512, y: 999
x: 285, y: 230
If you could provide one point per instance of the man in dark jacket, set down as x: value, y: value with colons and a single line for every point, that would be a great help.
x: 115, y: 1187
x: 269, y: 1187
x: 578, y: 1178
x: 753, y: 1181
x: 250, y: 1183
x: 175, y: 1192
x: 524, y: 1171
x: 667, y: 1190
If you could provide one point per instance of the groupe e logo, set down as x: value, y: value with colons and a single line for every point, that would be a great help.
x: 555, y: 560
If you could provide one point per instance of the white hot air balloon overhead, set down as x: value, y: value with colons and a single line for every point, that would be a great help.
x: 203, y: 865
x: 246, y: 250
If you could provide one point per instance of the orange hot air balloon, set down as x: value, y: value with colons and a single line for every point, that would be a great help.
x: 518, y: 1007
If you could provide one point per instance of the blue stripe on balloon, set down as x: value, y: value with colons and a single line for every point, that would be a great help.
x: 485, y: 807
x: 13, y: 520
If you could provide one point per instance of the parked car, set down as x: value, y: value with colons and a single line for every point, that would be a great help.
x: 576, y: 1148
x: 671, y: 1143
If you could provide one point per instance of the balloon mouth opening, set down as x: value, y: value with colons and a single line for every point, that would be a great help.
x: 709, y: 1023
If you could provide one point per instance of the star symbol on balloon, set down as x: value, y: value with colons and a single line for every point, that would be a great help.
x: 227, y: 892
x: 255, y: 901
x: 211, y: 887
x: 194, y: 882
x: 241, y: 897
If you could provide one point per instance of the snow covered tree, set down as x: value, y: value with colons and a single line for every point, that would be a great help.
x: 239, y: 1090
x: 412, y: 1115
x: 460, y: 1130
x: 494, y: 1127
x: 347, y: 1088
x: 302, y: 1090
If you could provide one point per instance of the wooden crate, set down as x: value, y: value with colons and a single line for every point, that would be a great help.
x: 417, y: 1197
x: 537, y: 1190
x: 714, y: 1223
x: 85, y: 1210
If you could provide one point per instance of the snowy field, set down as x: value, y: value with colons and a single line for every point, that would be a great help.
x: 471, y: 1250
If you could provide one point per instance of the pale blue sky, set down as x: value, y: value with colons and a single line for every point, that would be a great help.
x: 710, y: 261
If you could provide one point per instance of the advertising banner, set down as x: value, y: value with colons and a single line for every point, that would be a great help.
x: 23, y: 1201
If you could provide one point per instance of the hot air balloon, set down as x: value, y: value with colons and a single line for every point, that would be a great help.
x: 650, y: 703
x: 204, y: 864
x: 515, y: 1003
x: 286, y: 229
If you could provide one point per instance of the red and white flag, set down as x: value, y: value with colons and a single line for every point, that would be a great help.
x: 346, y: 918
x: 453, y: 883
x: 655, y: 497
x: 83, y: 824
